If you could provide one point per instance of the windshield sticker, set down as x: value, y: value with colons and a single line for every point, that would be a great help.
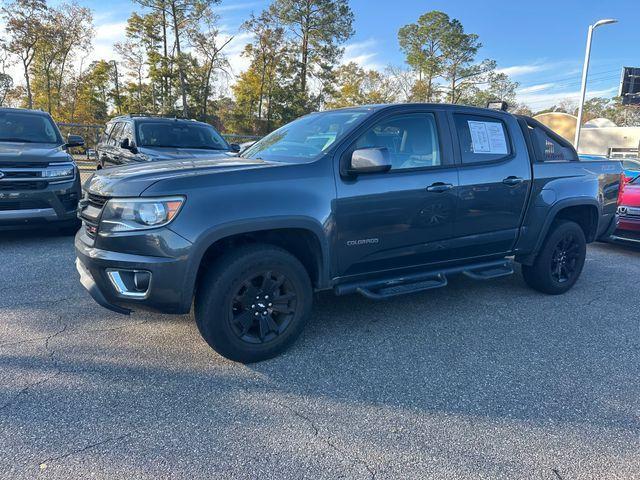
x: 487, y: 137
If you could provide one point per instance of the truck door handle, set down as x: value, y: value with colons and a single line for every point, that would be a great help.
x: 439, y: 187
x: 512, y: 180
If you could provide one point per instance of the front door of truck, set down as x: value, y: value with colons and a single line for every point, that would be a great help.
x: 495, y: 178
x: 403, y: 217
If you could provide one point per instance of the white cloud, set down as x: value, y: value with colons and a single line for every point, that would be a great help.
x: 540, y: 101
x: 363, y: 53
x: 536, y: 88
x: 520, y: 70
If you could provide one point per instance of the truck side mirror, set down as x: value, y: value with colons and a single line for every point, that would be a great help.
x: 234, y: 147
x: 369, y: 160
x: 74, y: 141
x: 128, y: 145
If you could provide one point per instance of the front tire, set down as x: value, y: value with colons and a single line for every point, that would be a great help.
x: 253, y: 303
x: 559, y: 264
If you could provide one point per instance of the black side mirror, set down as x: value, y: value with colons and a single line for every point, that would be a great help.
x: 128, y: 145
x: 234, y: 147
x: 74, y: 141
x: 369, y: 160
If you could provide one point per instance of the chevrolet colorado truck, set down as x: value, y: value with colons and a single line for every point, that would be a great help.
x: 39, y: 180
x: 380, y: 200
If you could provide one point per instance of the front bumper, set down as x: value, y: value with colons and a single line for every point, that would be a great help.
x: 628, y: 230
x: 168, y: 290
x: 57, y: 203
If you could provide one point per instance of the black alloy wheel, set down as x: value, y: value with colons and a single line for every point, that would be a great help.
x: 263, y: 307
x: 565, y: 258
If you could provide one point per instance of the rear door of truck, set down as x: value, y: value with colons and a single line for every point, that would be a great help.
x: 495, y: 180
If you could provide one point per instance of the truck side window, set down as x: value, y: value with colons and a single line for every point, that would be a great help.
x: 116, y: 134
x: 412, y: 140
x: 127, y: 132
x: 550, y: 148
x: 482, y: 139
x: 104, y: 137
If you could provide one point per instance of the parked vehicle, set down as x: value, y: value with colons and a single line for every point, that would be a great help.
x: 39, y: 180
x: 142, y: 138
x: 631, y: 169
x: 629, y: 212
x: 379, y: 200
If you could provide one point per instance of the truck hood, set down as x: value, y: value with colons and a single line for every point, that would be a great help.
x: 630, y: 195
x: 174, y: 153
x: 132, y: 180
x: 41, y: 153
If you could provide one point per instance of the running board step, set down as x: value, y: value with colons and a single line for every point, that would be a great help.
x: 403, y: 288
x: 490, y: 272
x: 418, y: 282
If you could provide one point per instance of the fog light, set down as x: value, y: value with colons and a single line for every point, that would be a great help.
x: 141, y: 281
x: 130, y: 283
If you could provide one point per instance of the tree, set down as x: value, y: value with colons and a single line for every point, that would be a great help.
x: 205, y: 38
x: 319, y: 27
x: 66, y: 30
x: 357, y: 86
x: 24, y: 25
x: 499, y: 87
x: 460, y: 50
x: 422, y: 44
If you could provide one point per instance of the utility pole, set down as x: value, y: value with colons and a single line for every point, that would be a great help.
x: 115, y: 68
x: 585, y: 70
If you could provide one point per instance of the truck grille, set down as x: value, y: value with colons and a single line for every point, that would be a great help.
x: 97, y: 201
x: 22, y: 205
x: 90, y: 211
x: 23, y: 185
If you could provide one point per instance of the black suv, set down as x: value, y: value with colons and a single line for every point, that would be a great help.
x: 39, y: 181
x: 142, y: 138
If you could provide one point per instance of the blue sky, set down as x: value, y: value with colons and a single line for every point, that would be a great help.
x: 540, y: 43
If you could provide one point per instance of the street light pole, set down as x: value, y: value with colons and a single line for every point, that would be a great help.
x: 585, y: 70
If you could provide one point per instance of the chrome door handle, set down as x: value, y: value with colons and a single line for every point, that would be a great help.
x: 439, y: 187
x: 512, y: 180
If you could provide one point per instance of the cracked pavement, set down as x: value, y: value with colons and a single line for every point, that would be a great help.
x: 476, y: 380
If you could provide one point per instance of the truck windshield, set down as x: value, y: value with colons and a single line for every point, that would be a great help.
x: 180, y: 135
x: 28, y: 128
x: 303, y: 140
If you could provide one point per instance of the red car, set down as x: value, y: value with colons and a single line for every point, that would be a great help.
x: 629, y: 212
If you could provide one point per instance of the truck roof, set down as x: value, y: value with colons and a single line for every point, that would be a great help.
x: 155, y: 118
x: 441, y: 106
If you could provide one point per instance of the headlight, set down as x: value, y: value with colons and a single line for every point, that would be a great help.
x: 58, y: 171
x: 130, y: 214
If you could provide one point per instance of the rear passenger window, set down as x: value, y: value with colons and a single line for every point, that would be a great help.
x: 550, y: 148
x: 482, y: 139
x: 412, y: 140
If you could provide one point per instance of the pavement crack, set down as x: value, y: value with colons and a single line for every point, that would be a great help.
x: 80, y: 450
x: 51, y: 355
x: 557, y: 473
x: 333, y: 446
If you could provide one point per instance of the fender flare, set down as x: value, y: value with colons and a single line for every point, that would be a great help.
x: 551, y: 216
x: 219, y: 232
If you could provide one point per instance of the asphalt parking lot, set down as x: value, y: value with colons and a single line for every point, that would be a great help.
x: 478, y: 380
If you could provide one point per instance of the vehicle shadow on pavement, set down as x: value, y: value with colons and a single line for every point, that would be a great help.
x: 476, y: 353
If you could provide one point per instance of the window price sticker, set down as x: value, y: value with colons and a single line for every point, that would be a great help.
x: 488, y: 137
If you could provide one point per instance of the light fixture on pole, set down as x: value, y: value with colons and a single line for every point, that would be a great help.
x: 585, y: 69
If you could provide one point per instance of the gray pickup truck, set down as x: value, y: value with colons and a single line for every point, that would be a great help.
x: 379, y: 200
x: 39, y: 180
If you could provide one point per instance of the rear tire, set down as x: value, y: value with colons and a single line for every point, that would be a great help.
x: 253, y: 303
x: 559, y: 264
